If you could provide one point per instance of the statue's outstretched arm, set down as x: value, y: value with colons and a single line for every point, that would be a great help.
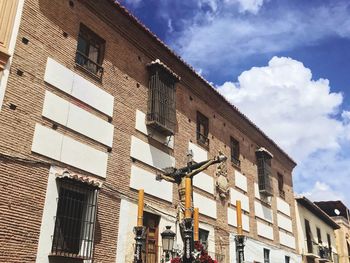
x: 218, y: 159
x: 200, y: 169
x: 168, y: 178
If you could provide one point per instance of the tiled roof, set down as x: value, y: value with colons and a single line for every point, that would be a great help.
x: 152, y: 35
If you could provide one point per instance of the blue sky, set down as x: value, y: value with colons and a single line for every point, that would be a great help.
x: 288, y: 58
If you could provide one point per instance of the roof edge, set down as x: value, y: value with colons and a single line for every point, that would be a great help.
x: 188, y: 66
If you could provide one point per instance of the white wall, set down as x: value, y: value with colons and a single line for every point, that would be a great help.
x: 264, y: 230
x: 236, y: 195
x: 284, y: 222
x: 283, y: 206
x: 11, y: 49
x: 142, y: 179
x: 263, y: 211
x: 199, y: 154
x: 71, y: 83
x: 48, y: 219
x: 232, y: 219
x: 54, y: 145
x: 204, y: 182
x: 287, y: 239
x: 206, y: 205
x: 254, y: 252
x: 61, y: 111
x: 150, y: 155
x: 241, y: 181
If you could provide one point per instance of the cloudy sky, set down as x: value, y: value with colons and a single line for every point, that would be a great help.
x: 284, y: 63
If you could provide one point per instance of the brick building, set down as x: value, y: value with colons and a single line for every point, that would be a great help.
x: 94, y: 107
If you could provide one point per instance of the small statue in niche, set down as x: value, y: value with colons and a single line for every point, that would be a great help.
x: 221, y: 183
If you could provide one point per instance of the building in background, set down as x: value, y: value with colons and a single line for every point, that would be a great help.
x: 340, y: 214
x: 10, y: 15
x: 95, y: 106
x: 315, y: 233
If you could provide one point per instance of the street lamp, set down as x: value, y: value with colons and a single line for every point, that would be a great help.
x: 168, y: 237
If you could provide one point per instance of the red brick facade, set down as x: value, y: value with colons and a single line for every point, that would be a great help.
x: 52, y: 28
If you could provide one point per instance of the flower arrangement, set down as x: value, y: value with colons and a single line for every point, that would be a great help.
x: 200, y: 255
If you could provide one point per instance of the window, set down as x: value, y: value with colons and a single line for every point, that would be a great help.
x: 202, y: 129
x: 329, y: 245
x: 308, y: 237
x: 266, y: 255
x: 281, y: 185
x: 75, y: 220
x: 264, y: 171
x: 90, y: 51
x: 203, y: 238
x: 319, y: 239
x: 161, y: 113
x: 286, y: 259
x: 235, y: 152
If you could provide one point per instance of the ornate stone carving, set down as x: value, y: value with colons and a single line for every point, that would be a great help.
x: 221, y: 182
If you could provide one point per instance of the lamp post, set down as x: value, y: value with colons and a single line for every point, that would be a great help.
x: 168, y: 237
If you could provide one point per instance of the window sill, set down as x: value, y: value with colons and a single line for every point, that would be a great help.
x: 88, y: 72
x: 204, y: 145
x: 236, y: 164
x: 71, y: 256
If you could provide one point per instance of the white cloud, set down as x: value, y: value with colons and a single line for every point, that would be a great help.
x: 285, y: 102
x: 302, y: 116
x: 228, y: 38
x: 323, y: 192
x: 252, y: 6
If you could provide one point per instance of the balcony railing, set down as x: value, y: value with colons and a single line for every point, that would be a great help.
x: 88, y: 64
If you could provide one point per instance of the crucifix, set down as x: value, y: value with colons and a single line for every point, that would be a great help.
x: 179, y: 176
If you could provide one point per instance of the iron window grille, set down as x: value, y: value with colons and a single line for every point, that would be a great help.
x: 235, y: 152
x: 203, y: 238
x: 266, y: 255
x: 264, y: 172
x: 75, y: 220
x: 308, y: 236
x: 161, y: 113
x: 281, y: 185
x: 90, y: 51
x: 202, y: 129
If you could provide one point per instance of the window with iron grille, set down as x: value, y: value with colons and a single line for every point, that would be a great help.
x: 203, y: 236
x: 90, y: 51
x: 235, y: 152
x: 202, y: 129
x: 281, y: 185
x: 329, y: 246
x: 161, y: 113
x: 308, y: 236
x: 319, y: 239
x: 264, y: 172
x: 75, y: 220
x: 266, y: 255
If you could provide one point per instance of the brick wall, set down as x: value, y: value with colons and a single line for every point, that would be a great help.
x: 128, y: 50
